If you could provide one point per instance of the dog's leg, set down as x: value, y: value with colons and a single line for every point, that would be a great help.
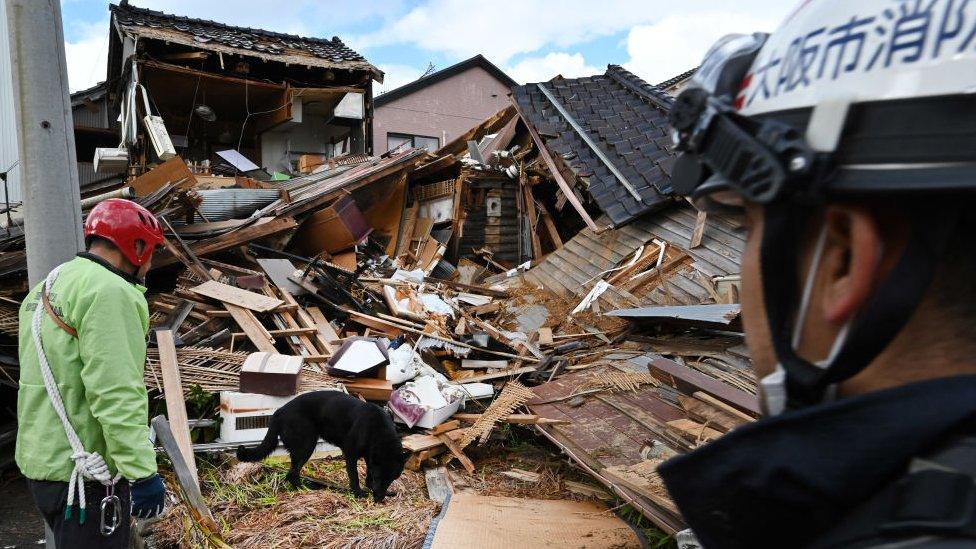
x: 353, y: 471
x: 299, y: 452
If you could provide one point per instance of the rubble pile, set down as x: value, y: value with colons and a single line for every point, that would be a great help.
x: 473, y: 287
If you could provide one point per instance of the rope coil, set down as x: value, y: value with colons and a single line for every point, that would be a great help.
x: 88, y: 465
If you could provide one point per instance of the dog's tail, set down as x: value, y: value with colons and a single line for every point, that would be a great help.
x: 262, y: 450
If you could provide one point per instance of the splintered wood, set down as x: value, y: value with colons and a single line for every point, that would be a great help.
x: 644, y: 479
x: 512, y: 396
x: 622, y: 381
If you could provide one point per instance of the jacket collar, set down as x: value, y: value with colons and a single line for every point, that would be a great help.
x: 125, y: 276
x: 780, y: 481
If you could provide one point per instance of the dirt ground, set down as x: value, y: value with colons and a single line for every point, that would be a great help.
x: 257, y: 508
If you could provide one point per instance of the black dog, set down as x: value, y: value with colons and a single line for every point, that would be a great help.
x: 359, y: 429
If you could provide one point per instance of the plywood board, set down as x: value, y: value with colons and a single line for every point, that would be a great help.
x: 175, y: 406
x: 475, y: 522
x: 237, y: 296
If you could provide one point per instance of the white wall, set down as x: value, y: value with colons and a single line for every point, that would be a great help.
x: 311, y: 136
x: 8, y: 120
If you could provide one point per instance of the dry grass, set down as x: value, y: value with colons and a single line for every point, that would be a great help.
x: 264, y: 511
x: 258, y: 509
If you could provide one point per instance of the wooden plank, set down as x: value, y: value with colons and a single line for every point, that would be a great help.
x: 556, y: 174
x: 325, y: 329
x: 705, y: 397
x: 468, y: 363
x: 237, y: 296
x: 643, y: 478
x: 445, y: 427
x: 500, y: 375
x: 460, y: 143
x: 256, y: 332
x: 533, y: 219
x: 439, y: 486
x: 696, y: 235
x: 550, y: 226
x: 545, y: 336
x: 189, y: 487
x: 175, y: 405
x: 172, y: 171
x: 229, y: 240
x: 369, y: 388
x: 689, y: 381
x: 418, y: 442
x: 457, y: 452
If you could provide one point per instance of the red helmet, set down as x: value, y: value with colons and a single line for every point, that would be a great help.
x: 123, y: 223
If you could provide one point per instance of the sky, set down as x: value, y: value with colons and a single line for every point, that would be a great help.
x: 531, y: 40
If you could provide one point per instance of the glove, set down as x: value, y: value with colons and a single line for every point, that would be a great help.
x: 148, y: 497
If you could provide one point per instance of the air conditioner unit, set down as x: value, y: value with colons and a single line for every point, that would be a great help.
x: 111, y: 159
x: 156, y: 129
x: 245, y: 417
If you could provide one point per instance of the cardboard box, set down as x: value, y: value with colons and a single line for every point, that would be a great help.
x: 270, y: 374
x: 334, y: 229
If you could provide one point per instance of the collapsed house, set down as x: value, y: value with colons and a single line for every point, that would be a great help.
x: 535, y: 270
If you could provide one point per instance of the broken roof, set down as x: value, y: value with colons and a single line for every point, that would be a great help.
x: 457, y: 68
x: 677, y: 79
x: 612, y: 132
x: 214, y: 36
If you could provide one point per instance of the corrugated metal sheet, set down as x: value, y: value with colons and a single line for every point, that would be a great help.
x: 575, y: 268
x: 8, y: 120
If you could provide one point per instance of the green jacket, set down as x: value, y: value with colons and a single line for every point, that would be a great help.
x: 99, y: 374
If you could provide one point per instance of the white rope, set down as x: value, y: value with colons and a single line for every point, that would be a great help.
x: 88, y: 465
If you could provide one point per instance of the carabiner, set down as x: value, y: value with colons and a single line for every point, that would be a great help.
x: 107, y: 529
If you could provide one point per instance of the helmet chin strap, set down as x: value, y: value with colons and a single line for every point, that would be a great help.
x: 773, y: 394
x: 798, y: 383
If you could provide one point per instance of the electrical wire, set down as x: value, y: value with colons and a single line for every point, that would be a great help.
x: 247, y: 111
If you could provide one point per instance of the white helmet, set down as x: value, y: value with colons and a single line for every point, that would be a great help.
x: 866, y: 98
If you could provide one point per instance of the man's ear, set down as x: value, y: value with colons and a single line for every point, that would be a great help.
x: 851, y: 265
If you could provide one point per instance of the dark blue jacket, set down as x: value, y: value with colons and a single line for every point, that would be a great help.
x: 786, y: 481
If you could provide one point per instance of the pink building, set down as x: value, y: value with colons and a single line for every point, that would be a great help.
x: 432, y: 110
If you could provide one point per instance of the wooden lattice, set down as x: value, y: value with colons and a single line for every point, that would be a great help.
x: 512, y: 396
x: 622, y: 381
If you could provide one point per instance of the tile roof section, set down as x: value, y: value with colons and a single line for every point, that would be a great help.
x: 677, y: 79
x: 573, y: 269
x: 216, y: 36
x: 626, y: 118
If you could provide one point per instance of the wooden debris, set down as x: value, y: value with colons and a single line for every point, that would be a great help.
x: 643, y: 478
x: 512, y: 396
x: 523, y: 475
x: 175, y: 406
x: 236, y: 296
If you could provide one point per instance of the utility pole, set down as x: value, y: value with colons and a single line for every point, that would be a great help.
x: 45, y: 134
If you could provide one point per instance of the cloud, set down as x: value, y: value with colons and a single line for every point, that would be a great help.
x: 678, y: 43
x: 505, y: 28
x: 396, y: 76
x: 86, y: 54
x: 540, y: 69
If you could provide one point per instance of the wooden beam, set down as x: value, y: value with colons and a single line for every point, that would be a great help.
x: 457, y: 452
x: 556, y: 174
x: 460, y: 143
x: 500, y: 375
x: 237, y: 296
x: 533, y: 219
x: 699, y: 232
x: 229, y: 240
x: 189, y: 488
x: 175, y: 405
x: 688, y: 380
